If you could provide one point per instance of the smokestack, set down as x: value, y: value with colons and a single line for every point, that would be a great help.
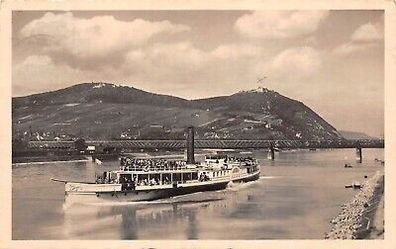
x: 190, y: 145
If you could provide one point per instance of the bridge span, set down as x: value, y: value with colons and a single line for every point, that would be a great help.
x: 215, y: 144
x: 271, y: 145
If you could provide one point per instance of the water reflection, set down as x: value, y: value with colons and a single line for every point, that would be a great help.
x: 128, y: 224
x: 163, y: 218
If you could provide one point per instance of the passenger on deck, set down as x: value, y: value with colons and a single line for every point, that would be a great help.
x: 203, y: 177
x: 99, y: 179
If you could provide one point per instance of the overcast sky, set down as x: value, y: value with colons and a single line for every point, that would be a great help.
x: 333, y: 61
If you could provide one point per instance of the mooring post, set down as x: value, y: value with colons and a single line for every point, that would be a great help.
x: 359, y: 157
x: 190, y: 145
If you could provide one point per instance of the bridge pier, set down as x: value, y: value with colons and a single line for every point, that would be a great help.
x: 359, y: 156
x: 190, y: 145
x: 271, y: 153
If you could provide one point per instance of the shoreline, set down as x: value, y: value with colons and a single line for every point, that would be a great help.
x: 45, y: 162
x: 363, y: 215
x: 373, y: 216
x: 378, y: 222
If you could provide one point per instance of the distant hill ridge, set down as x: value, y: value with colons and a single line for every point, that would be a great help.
x: 96, y: 92
x: 104, y: 110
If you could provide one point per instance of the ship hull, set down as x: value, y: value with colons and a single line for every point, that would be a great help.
x: 152, y: 194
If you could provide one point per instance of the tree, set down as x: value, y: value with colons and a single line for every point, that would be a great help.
x: 19, y: 144
x: 80, y: 144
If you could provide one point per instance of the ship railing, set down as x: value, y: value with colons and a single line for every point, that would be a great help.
x: 164, y: 183
x: 153, y: 168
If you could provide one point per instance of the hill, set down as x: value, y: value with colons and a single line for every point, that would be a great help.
x: 108, y: 111
x: 98, y: 93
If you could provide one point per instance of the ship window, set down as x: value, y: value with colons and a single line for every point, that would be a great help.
x: 113, y: 175
x: 154, y: 179
x: 125, y: 178
x: 166, y: 178
x: 194, y: 175
x: 187, y: 177
x: 142, y: 179
x: 176, y: 177
x: 142, y: 176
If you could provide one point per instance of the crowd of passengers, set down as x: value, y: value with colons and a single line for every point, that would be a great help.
x: 240, y: 160
x: 132, y: 163
x: 153, y: 181
x: 141, y: 182
x: 203, y: 177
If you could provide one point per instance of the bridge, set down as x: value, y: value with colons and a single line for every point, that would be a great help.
x: 214, y: 144
x: 271, y: 145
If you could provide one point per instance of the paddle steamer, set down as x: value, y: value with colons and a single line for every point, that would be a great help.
x: 151, y: 179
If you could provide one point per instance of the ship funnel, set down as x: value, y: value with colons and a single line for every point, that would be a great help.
x: 190, y: 145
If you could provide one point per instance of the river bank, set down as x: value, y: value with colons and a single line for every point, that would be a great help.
x: 377, y: 231
x: 362, y: 217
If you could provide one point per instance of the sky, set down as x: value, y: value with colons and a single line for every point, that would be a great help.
x: 332, y: 61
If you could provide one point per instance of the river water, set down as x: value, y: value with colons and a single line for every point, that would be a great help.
x: 295, y: 198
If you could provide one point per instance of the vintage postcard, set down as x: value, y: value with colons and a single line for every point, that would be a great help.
x: 198, y: 125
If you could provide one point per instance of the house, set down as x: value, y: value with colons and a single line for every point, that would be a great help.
x: 248, y: 128
x: 252, y: 121
x: 90, y: 149
x: 156, y: 126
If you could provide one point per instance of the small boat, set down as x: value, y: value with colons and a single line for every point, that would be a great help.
x: 347, y: 165
x: 151, y: 179
x: 380, y: 161
x: 355, y: 185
